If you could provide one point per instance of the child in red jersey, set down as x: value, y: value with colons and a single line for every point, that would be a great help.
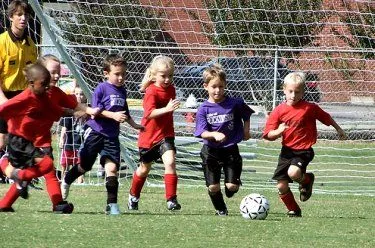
x: 68, y: 102
x: 157, y: 139
x: 25, y: 113
x: 295, y: 121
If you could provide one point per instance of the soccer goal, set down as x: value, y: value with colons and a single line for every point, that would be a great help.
x: 257, y: 43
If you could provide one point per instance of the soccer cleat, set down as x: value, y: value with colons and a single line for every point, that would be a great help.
x: 22, y: 187
x: 63, y: 207
x: 295, y: 213
x: 172, y: 204
x: 133, y: 202
x: 306, y: 189
x: 7, y: 209
x: 112, y: 209
x: 221, y: 212
x: 64, y: 190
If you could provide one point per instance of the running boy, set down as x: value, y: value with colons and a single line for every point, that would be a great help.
x: 157, y: 139
x: 27, y: 115
x: 222, y: 122
x: 295, y: 121
x: 101, y: 135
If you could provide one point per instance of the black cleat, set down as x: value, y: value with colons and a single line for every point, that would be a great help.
x: 7, y: 209
x: 63, y: 207
x: 306, y: 189
x: 221, y: 212
x: 172, y: 204
x: 295, y: 213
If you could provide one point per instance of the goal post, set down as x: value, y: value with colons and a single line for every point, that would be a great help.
x: 258, y: 43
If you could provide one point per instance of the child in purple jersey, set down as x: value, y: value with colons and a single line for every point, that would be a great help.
x: 222, y: 122
x: 101, y: 134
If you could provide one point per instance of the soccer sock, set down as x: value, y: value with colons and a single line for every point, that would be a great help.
x: 170, y: 181
x: 217, y: 200
x: 112, y: 189
x: 72, y: 175
x: 229, y: 193
x: 306, y: 179
x: 289, y: 201
x: 38, y: 170
x: 137, y: 185
x: 53, y: 187
x: 10, y: 197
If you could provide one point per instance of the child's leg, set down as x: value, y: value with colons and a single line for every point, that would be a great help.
x: 170, y: 175
x: 9, y: 198
x: 232, y: 171
x: 111, y: 181
x: 42, y: 166
x: 53, y: 187
x: 139, y: 178
x: 287, y: 197
x: 306, y: 181
x: 217, y: 199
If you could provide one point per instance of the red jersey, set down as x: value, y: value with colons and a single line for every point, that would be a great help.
x: 161, y: 127
x: 30, y: 116
x: 61, y: 99
x: 301, y: 119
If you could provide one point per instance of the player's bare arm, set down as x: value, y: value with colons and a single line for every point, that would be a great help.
x: 172, y: 105
x: 277, y: 133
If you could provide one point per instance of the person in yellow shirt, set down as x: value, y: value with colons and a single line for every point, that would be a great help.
x: 16, y: 51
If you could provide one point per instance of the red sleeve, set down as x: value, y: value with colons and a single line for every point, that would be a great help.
x: 273, y: 122
x: 322, y: 116
x: 62, y: 99
x: 149, y: 102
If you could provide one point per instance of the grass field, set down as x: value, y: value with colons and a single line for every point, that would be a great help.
x: 328, y: 221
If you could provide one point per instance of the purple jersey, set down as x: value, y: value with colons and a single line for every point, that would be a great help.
x: 111, y: 98
x: 226, y: 117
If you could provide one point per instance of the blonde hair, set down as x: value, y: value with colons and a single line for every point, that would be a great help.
x: 298, y: 78
x: 214, y: 71
x: 43, y: 60
x: 156, y: 63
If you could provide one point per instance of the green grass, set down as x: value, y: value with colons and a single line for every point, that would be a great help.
x: 328, y: 221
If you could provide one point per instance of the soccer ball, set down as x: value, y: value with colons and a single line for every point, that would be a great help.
x: 255, y: 207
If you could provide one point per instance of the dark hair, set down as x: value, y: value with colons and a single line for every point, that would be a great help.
x: 32, y: 72
x: 113, y: 59
x: 16, y: 4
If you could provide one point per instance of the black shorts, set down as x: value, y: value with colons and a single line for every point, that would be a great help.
x: 96, y: 143
x: 215, y: 159
x: 3, y: 123
x: 300, y: 158
x: 154, y: 153
x: 21, y: 152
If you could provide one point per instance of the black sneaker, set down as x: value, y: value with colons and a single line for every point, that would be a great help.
x: 221, y: 212
x: 296, y: 213
x: 63, y: 207
x: 8, y: 209
x: 133, y: 202
x: 22, y: 187
x: 172, y: 204
x: 306, y: 189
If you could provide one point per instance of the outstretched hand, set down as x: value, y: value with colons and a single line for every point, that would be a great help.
x: 120, y: 116
x: 172, y: 105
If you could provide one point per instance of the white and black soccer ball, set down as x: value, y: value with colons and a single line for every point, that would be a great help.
x: 254, y: 206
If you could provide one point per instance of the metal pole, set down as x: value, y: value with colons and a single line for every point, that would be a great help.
x: 275, y: 79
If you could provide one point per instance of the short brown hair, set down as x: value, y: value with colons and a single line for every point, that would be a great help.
x: 113, y: 59
x: 214, y: 71
x: 16, y: 4
x: 33, y: 71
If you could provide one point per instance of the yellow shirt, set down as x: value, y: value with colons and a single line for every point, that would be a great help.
x: 15, y: 54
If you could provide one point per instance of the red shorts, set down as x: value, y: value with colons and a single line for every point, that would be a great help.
x: 69, y: 158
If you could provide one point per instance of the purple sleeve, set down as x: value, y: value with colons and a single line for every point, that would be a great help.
x: 200, y: 122
x: 97, y: 98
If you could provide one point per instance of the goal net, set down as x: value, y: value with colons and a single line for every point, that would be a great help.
x: 258, y: 43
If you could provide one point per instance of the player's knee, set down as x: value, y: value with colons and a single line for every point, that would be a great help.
x: 295, y: 173
x: 170, y: 168
x: 143, y: 170
x: 231, y: 189
x: 214, y: 188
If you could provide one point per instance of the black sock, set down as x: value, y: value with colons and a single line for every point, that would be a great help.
x: 72, y: 175
x: 112, y: 189
x: 217, y: 200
